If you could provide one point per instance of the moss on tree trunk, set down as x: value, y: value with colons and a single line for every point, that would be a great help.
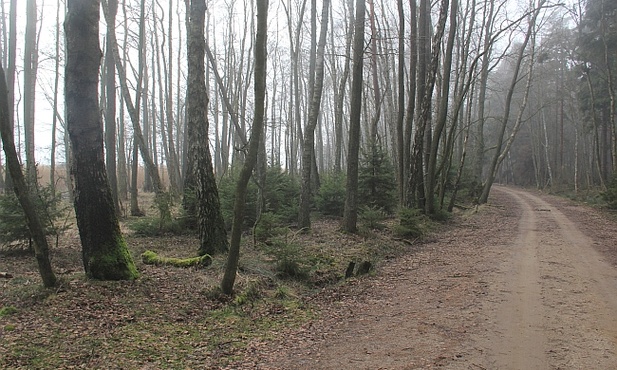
x: 105, y: 255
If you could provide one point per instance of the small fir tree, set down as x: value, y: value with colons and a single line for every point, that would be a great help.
x: 376, y: 180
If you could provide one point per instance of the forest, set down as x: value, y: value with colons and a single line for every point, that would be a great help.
x: 245, y: 128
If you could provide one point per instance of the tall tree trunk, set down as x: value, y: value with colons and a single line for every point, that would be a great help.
x: 212, y: 233
x: 173, y: 163
x: 411, y: 99
x: 350, y: 214
x: 400, y: 116
x: 123, y: 178
x: 442, y: 117
x: 231, y: 268
x: 375, y: 76
x: 105, y: 254
x: 10, y: 78
x: 54, y: 123
x: 41, y: 248
x: 110, y: 114
x: 134, y: 189
x: 133, y: 111
x: 340, y: 97
x: 304, y: 217
x: 478, y: 157
x: 415, y: 188
x: 30, y: 71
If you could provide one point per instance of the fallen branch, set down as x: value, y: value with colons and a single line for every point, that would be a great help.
x: 151, y: 258
x: 5, y: 275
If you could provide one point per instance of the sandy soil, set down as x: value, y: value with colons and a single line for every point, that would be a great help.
x: 528, y: 282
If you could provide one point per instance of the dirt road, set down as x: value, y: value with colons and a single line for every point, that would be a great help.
x: 529, y: 282
x: 558, y: 294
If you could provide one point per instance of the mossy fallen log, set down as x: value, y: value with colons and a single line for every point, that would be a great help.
x: 152, y: 258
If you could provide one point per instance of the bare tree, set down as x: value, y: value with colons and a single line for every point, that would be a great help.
x: 31, y: 56
x: 41, y: 248
x: 500, y: 151
x: 133, y: 110
x: 231, y: 268
x: 105, y: 254
x: 304, y: 218
x: 212, y: 233
x: 443, y: 111
x: 10, y: 78
x: 351, y: 198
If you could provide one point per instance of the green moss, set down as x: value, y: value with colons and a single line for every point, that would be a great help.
x: 113, y: 263
x: 7, y: 311
x: 151, y: 258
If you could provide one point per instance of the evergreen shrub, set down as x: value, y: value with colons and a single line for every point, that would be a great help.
x: 330, y: 199
x: 410, y: 226
x: 610, y: 195
x: 14, y: 229
x: 377, y: 180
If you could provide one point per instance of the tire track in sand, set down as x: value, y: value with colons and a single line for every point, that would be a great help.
x: 560, y: 296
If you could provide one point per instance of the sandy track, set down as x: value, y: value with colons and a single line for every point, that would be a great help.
x: 519, y: 285
x: 560, y: 310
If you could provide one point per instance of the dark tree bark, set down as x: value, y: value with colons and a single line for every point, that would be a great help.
x: 415, y: 188
x: 110, y: 105
x: 442, y: 116
x: 411, y: 98
x: 304, y: 218
x: 10, y: 78
x: 340, y: 96
x: 212, y: 234
x: 105, y: 255
x: 41, y: 248
x: 400, y: 116
x: 351, y: 200
x: 478, y: 153
x: 229, y: 278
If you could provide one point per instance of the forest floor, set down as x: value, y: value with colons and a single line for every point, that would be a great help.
x: 529, y: 281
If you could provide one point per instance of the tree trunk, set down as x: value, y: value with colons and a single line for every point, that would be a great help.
x: 375, y: 78
x: 400, y: 116
x: 30, y: 71
x: 411, y: 100
x: 478, y: 157
x: 134, y: 189
x: 41, y: 248
x: 350, y: 214
x: 431, y: 175
x: 304, y: 218
x: 110, y: 114
x: 10, y: 78
x: 105, y: 254
x: 123, y: 178
x: 151, y: 168
x: 212, y: 233
x: 231, y: 268
x: 340, y: 97
x: 415, y: 188
x: 54, y: 124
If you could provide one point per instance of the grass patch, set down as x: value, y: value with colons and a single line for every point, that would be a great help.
x: 7, y: 311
